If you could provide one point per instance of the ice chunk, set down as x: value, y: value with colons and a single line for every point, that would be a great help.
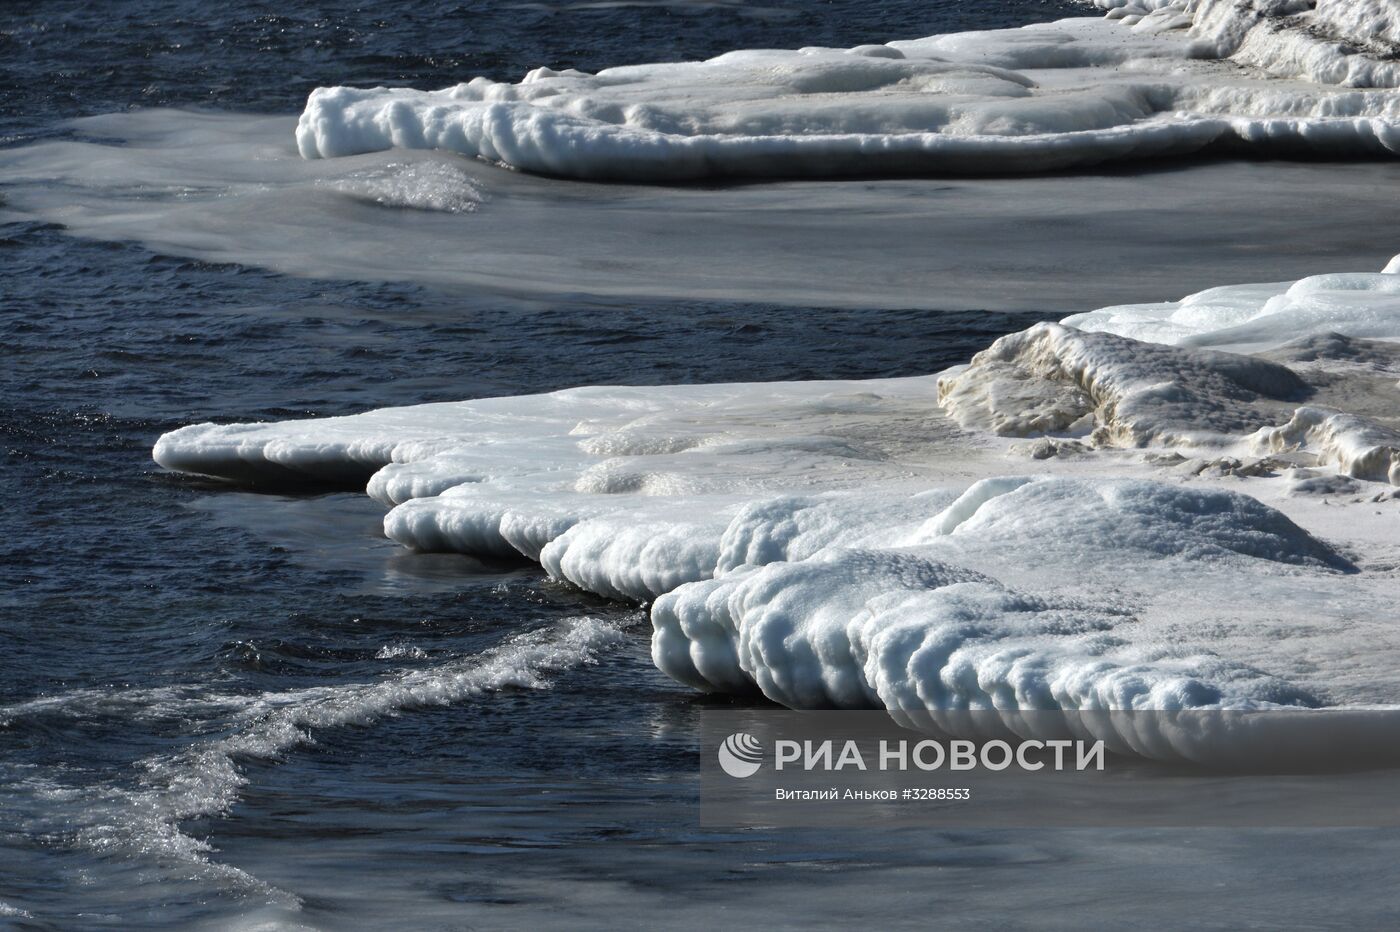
x: 1046, y: 96
x: 1358, y: 447
x: 1050, y: 377
x: 1349, y: 42
x: 1262, y: 316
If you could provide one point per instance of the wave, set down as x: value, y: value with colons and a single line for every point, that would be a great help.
x: 206, y: 778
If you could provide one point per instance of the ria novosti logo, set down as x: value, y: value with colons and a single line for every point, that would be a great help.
x: 740, y: 755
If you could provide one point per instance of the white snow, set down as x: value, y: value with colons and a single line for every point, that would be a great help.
x: 1047, y: 96
x: 850, y: 544
x: 1251, y: 317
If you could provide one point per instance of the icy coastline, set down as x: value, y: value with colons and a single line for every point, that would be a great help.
x: 1150, y: 79
x: 1078, y: 519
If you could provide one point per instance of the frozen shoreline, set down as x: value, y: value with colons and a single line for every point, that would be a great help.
x: 850, y: 544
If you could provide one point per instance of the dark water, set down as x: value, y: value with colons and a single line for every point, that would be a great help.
x: 195, y: 725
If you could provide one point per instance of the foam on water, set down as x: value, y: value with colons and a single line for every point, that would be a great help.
x: 145, y: 820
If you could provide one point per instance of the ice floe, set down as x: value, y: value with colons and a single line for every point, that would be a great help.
x: 1206, y: 529
x: 1265, y: 76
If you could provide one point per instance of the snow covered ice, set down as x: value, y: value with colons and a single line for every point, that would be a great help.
x: 1150, y: 79
x: 1078, y: 519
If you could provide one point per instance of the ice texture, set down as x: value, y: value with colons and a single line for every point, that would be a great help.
x: 1257, y: 316
x: 1042, y: 97
x: 1050, y: 377
x: 1358, y: 447
x: 1207, y: 528
x: 1323, y: 325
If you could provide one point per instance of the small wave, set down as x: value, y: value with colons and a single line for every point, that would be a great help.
x: 395, y: 651
x: 205, y: 779
x: 131, y: 704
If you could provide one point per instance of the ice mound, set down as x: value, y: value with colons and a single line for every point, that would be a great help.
x: 1358, y: 447
x: 1042, y: 97
x: 1052, y: 377
x: 1340, y: 332
x: 914, y: 628
x: 1073, y: 520
x: 1260, y: 316
x: 899, y: 631
x: 1352, y: 42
